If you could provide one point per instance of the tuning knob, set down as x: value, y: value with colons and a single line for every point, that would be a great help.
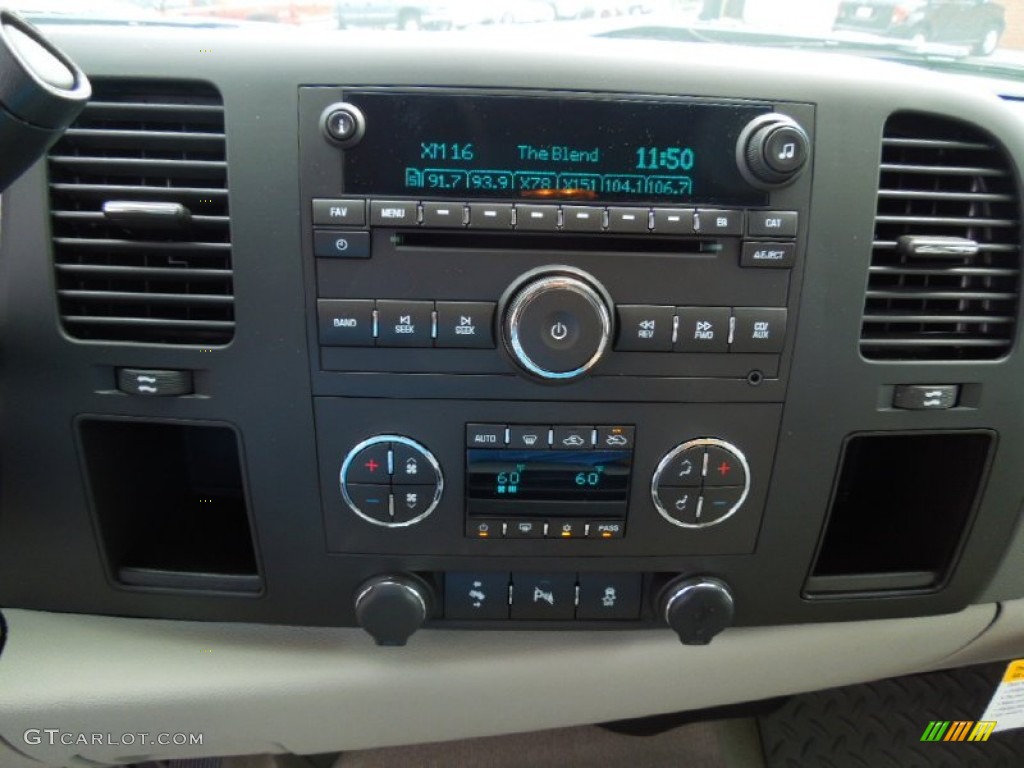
x: 772, y: 151
x: 696, y: 608
x: 557, y: 323
x: 392, y: 608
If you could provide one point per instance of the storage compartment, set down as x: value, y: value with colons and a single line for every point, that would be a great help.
x: 170, y: 504
x: 899, y: 510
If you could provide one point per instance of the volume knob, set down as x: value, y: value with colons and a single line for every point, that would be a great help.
x: 557, y: 323
x: 772, y: 151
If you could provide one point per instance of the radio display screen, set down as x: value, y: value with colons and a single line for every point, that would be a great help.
x: 537, y: 148
x: 552, y: 476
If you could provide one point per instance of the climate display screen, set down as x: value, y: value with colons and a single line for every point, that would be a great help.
x: 556, y: 476
x: 577, y: 149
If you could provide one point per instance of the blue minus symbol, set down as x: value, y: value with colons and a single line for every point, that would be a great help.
x: 720, y: 503
x: 373, y: 501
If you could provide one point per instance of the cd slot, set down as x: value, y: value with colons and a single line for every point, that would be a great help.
x: 524, y: 241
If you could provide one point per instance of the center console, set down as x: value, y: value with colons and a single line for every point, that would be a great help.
x: 568, y: 320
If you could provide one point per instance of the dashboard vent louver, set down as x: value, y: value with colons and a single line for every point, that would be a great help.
x: 139, y: 216
x: 943, y: 182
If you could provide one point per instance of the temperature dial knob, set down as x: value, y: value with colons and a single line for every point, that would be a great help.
x: 772, y: 151
x: 391, y: 608
x: 557, y: 323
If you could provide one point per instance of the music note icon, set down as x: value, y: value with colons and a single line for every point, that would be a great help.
x: 788, y: 151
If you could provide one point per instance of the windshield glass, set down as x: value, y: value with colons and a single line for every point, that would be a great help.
x: 973, y: 34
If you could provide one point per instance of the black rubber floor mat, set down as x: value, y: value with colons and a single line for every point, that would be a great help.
x: 881, y: 724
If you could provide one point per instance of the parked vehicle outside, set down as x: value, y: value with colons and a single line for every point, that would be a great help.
x: 977, y: 23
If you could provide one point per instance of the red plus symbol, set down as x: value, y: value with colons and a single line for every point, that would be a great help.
x: 724, y: 468
x: 371, y: 465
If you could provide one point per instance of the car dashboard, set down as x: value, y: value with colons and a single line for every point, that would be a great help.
x: 515, y: 356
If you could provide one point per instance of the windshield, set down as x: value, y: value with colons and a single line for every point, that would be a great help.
x: 978, y: 35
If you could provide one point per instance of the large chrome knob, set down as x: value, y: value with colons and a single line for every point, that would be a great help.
x: 557, y: 323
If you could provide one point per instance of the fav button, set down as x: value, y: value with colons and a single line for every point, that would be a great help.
x: 342, y: 213
x: 405, y: 323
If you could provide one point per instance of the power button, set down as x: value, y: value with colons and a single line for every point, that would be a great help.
x: 557, y: 326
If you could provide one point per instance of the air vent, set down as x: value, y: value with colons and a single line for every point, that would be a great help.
x: 139, y: 207
x: 945, y: 267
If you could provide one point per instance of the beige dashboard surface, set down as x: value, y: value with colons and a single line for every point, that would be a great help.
x: 252, y: 688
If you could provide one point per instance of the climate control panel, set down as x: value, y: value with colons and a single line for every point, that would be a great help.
x: 391, y: 481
